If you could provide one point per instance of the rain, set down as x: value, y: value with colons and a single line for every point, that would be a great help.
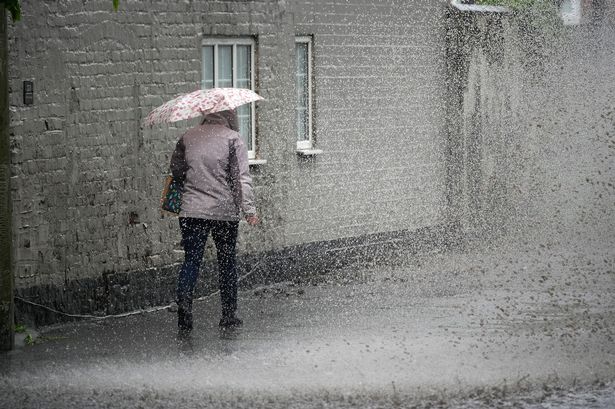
x: 437, y: 205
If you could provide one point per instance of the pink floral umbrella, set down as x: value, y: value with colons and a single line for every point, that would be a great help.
x: 201, y: 102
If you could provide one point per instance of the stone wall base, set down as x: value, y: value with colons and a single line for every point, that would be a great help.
x: 118, y: 292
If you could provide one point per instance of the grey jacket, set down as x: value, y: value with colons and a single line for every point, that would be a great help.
x: 212, y: 160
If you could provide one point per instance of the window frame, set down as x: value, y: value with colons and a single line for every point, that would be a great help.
x: 234, y: 42
x: 307, y: 39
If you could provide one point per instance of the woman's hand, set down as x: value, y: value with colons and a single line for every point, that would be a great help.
x: 252, y: 220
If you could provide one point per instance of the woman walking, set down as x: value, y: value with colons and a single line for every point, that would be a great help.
x: 212, y: 161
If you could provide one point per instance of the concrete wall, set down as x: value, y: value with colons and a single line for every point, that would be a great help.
x: 532, y: 106
x: 486, y: 116
x: 86, y: 176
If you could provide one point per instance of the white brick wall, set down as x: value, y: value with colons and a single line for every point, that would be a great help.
x: 379, y: 86
x: 82, y: 164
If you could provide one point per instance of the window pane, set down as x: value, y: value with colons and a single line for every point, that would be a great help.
x: 302, y: 125
x: 243, y: 67
x: 244, y: 117
x: 208, y: 67
x: 225, y: 66
x: 242, y: 80
x: 302, y: 85
x: 228, y: 64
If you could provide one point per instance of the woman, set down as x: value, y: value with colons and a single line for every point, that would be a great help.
x: 212, y: 161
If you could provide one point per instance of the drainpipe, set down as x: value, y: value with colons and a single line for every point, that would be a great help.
x: 7, y: 308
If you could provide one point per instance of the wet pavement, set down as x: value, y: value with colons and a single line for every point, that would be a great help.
x: 443, y: 329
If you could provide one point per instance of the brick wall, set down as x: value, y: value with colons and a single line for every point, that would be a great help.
x: 379, y: 86
x: 86, y: 176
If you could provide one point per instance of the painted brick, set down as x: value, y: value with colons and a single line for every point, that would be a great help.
x: 82, y: 163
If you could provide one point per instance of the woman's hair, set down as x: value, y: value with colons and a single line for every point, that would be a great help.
x: 227, y: 118
x: 231, y: 117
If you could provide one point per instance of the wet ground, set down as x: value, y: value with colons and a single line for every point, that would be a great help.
x: 598, y: 397
x: 529, y: 325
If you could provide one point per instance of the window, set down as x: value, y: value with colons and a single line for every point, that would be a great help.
x: 303, y: 81
x: 229, y: 62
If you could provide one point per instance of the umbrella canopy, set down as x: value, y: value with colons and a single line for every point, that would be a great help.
x: 201, y: 102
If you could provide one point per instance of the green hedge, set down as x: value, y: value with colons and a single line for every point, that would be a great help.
x: 13, y: 7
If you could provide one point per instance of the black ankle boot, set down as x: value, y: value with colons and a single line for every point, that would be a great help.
x: 228, y: 321
x: 184, y: 316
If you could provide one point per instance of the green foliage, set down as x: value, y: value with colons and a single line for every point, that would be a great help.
x: 13, y: 7
x: 116, y: 4
x: 20, y: 328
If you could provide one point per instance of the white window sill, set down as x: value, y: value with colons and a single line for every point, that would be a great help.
x: 256, y: 162
x: 309, y: 152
